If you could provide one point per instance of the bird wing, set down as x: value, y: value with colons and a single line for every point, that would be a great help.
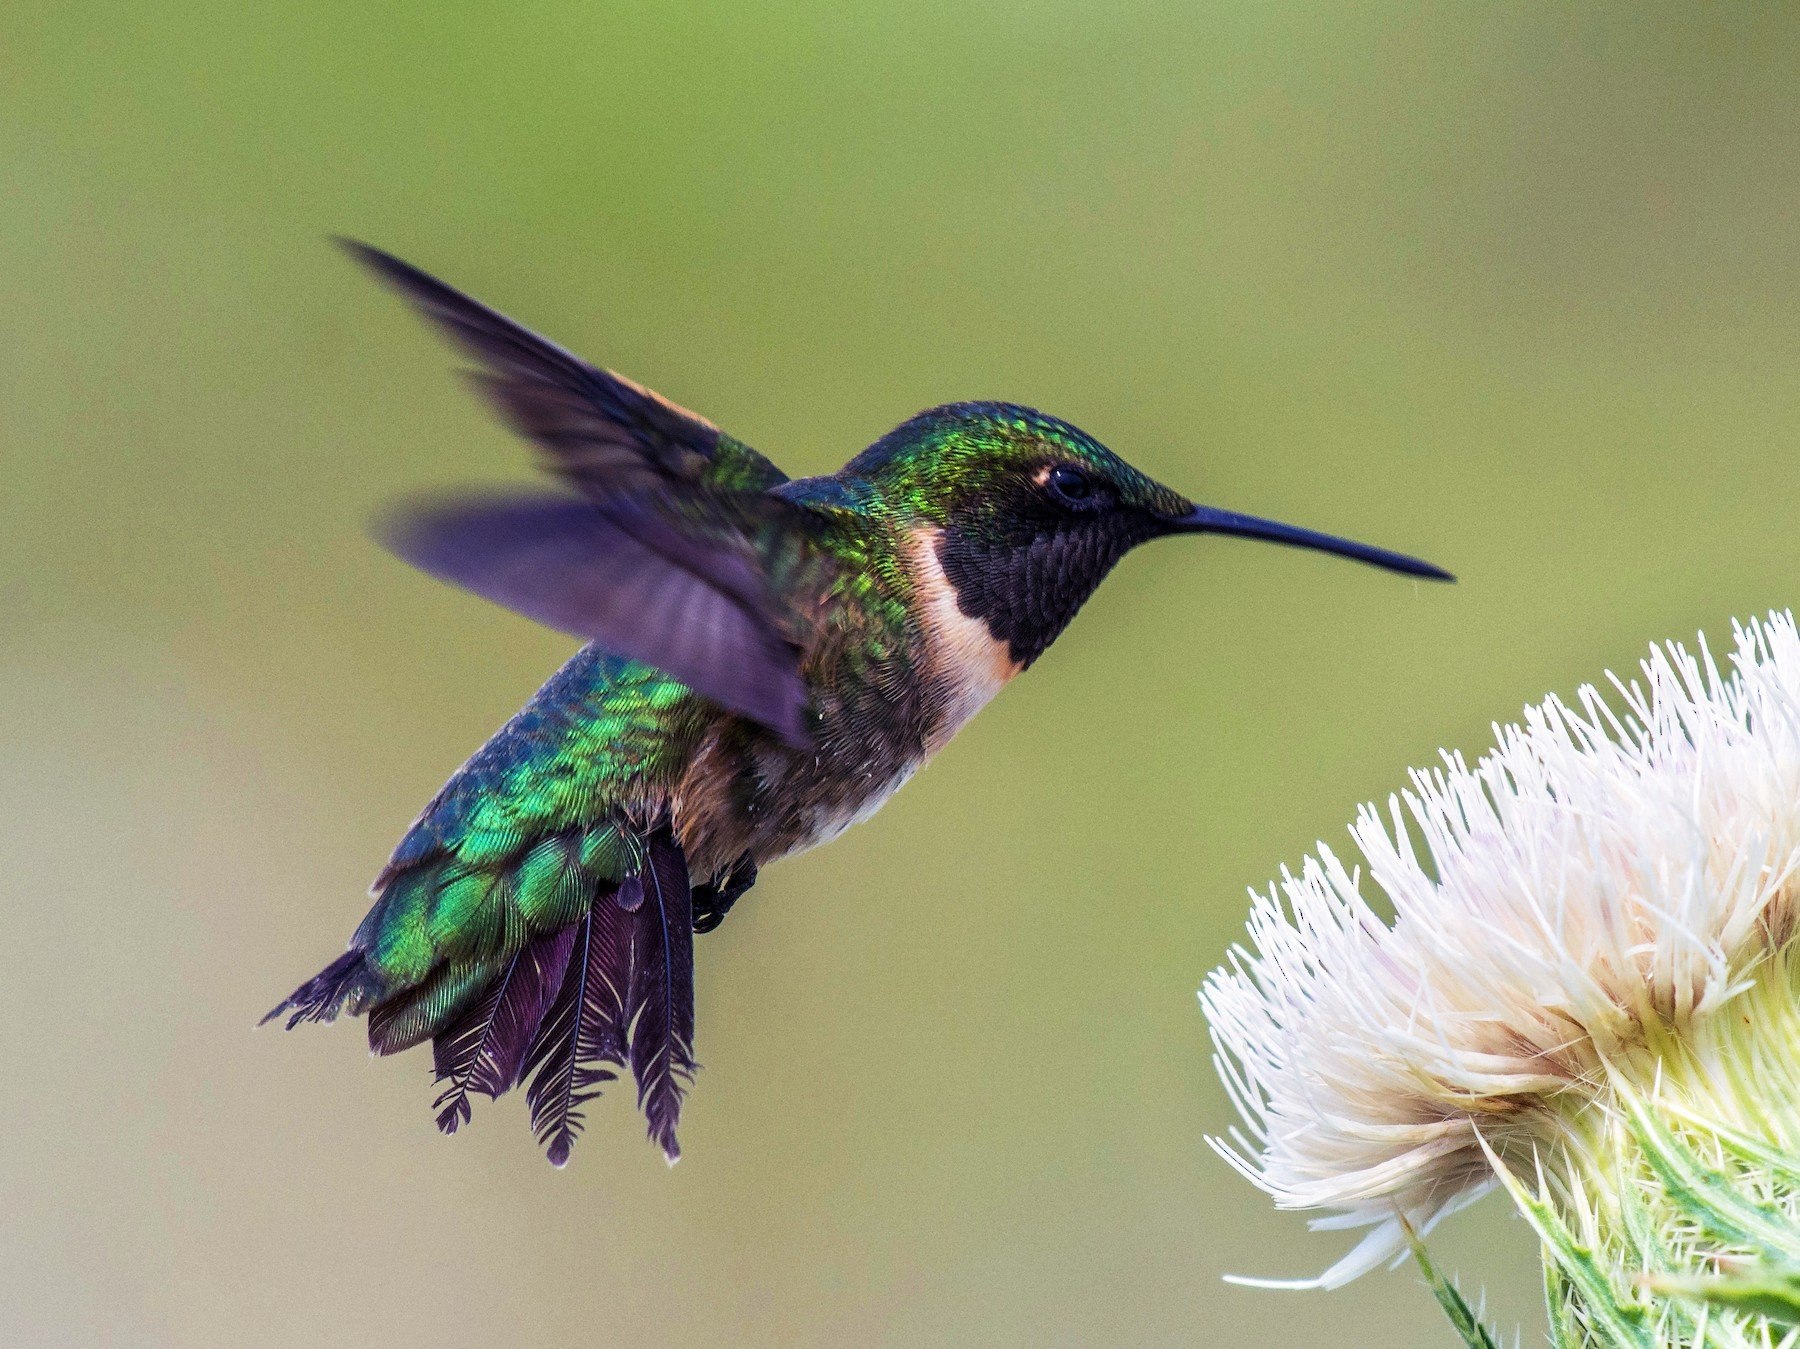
x: 674, y: 554
x: 704, y: 586
x: 601, y: 432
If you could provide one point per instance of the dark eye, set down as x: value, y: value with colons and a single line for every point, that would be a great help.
x: 1070, y: 485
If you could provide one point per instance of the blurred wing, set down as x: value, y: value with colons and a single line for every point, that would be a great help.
x: 685, y: 593
x: 600, y: 431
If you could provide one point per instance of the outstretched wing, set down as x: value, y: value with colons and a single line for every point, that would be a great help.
x: 677, y: 557
x: 602, y: 432
x: 696, y: 584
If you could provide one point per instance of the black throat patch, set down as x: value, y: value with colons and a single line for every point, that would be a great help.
x: 1026, y: 584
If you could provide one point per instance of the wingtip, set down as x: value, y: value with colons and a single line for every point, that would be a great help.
x: 394, y: 271
x: 364, y: 255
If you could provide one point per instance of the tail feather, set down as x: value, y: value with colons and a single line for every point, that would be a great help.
x: 502, y: 1063
x: 415, y: 1016
x: 573, y: 1040
x: 662, y: 1035
x: 455, y: 1050
x: 570, y: 961
x: 343, y: 985
x: 484, y: 1049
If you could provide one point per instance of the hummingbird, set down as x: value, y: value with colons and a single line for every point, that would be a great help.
x: 766, y: 661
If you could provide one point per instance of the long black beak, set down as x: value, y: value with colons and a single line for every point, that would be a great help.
x: 1209, y: 520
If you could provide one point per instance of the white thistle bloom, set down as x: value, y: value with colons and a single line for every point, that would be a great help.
x: 1598, y: 915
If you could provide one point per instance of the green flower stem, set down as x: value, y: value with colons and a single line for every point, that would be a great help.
x: 1466, y: 1319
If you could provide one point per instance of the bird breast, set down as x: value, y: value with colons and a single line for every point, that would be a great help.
x: 778, y: 801
x: 961, y: 666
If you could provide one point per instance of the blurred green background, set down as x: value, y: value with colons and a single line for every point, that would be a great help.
x: 1514, y: 287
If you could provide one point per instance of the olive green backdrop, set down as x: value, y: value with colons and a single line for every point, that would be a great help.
x: 1515, y: 287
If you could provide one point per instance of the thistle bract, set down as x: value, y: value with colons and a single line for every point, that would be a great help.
x: 1588, y: 995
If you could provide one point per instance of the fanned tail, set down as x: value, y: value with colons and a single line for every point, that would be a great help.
x: 627, y: 998
x: 573, y: 960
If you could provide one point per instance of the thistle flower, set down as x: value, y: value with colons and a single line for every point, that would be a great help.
x: 1588, y: 994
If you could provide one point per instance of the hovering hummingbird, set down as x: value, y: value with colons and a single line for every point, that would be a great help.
x: 768, y: 660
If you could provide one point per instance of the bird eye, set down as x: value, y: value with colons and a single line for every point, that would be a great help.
x: 1070, y: 485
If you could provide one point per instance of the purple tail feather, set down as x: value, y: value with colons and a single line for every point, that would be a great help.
x: 342, y: 985
x: 627, y: 998
x: 613, y: 989
x: 484, y: 1050
x: 662, y: 1038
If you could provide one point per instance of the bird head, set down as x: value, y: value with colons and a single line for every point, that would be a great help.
x: 1026, y: 514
